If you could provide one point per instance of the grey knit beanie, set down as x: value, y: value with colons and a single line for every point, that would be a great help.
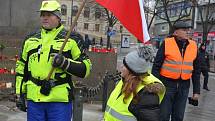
x: 57, y: 13
x: 139, y: 61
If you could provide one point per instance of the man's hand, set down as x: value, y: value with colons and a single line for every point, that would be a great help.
x: 195, y: 96
x: 194, y: 100
x: 58, y: 60
x: 20, y: 102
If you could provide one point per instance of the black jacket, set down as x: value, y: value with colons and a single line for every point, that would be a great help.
x: 147, y: 108
x: 159, y: 59
x: 204, y: 57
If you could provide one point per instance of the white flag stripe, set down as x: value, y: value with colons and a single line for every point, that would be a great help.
x: 144, y: 25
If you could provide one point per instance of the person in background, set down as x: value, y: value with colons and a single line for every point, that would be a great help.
x: 49, y: 99
x: 94, y: 41
x: 87, y: 42
x: 175, y: 64
x: 101, y: 41
x: 205, y: 65
x: 138, y: 94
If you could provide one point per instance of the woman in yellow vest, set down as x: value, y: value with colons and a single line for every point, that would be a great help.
x: 138, y: 94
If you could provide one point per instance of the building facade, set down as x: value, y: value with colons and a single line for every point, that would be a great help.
x: 18, y: 17
x: 174, y: 10
x: 92, y: 21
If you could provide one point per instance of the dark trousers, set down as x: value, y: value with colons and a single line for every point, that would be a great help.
x: 205, y: 74
x: 52, y: 111
x: 174, y: 102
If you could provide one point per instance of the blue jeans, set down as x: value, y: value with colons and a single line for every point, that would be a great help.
x: 51, y: 111
x: 175, y: 99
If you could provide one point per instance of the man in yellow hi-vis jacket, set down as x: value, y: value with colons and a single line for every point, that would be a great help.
x: 50, y: 100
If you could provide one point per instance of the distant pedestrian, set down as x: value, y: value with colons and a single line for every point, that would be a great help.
x: 101, y: 41
x: 175, y: 63
x: 205, y: 64
x: 94, y: 41
x: 87, y: 42
x: 138, y: 94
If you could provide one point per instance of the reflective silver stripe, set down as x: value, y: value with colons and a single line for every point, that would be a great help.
x: 171, y: 69
x: 187, y: 71
x: 118, y: 115
x: 172, y: 62
x: 107, y: 108
x: 176, y: 70
x: 178, y: 63
x: 188, y: 63
x: 68, y: 64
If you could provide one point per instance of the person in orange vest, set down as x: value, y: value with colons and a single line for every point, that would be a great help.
x: 175, y: 64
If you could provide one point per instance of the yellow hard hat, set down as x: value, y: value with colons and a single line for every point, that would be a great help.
x: 50, y: 5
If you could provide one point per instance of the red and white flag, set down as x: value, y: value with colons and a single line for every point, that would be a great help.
x: 131, y: 14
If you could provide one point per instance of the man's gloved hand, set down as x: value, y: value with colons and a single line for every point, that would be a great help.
x: 46, y: 87
x: 58, y: 60
x: 21, y: 102
x: 194, y: 100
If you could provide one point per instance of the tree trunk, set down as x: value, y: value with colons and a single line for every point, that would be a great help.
x: 204, y: 37
x: 108, y: 37
x: 171, y: 29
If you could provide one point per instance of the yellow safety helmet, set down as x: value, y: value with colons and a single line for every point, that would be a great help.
x: 50, y: 5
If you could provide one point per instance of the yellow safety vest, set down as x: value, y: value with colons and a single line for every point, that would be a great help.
x: 117, y: 110
x: 36, y: 60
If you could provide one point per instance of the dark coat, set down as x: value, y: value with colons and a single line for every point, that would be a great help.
x: 204, y: 57
x: 147, y: 107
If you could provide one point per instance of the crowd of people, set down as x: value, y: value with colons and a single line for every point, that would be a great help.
x: 141, y: 95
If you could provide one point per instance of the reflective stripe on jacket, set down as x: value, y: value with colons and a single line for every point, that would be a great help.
x: 177, y: 65
x: 117, y: 110
x: 36, y: 62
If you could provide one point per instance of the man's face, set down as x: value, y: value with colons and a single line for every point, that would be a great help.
x: 49, y: 20
x: 203, y: 47
x: 182, y: 33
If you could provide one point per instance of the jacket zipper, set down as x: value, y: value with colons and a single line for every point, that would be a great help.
x: 182, y: 55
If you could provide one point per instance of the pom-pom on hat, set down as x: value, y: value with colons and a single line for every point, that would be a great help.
x: 138, y: 61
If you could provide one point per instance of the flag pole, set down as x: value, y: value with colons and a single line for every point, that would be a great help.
x: 68, y: 35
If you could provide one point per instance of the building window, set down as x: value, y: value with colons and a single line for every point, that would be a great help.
x: 74, y: 10
x: 86, y: 25
x: 97, y: 13
x: 63, y: 9
x: 163, y: 28
x: 97, y: 26
x: 86, y: 12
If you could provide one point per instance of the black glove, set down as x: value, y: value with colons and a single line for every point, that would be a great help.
x: 21, y: 103
x: 192, y: 101
x: 46, y: 87
x: 59, y: 60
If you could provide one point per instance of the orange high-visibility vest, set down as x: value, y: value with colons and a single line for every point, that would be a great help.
x: 175, y: 65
